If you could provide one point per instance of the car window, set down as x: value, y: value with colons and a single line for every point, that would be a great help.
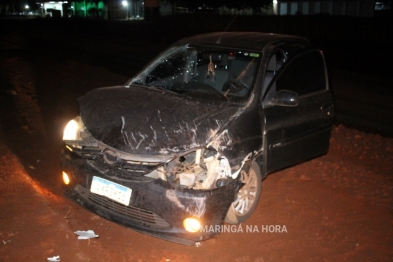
x: 214, y: 73
x: 276, y: 60
x: 304, y: 74
x: 170, y: 67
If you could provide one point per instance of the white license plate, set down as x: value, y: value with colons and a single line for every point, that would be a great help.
x: 111, y: 190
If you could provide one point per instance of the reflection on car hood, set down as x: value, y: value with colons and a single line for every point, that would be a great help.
x: 142, y: 120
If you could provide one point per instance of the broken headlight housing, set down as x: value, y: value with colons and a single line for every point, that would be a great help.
x: 200, y: 169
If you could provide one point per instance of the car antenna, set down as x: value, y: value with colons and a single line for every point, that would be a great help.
x: 226, y: 29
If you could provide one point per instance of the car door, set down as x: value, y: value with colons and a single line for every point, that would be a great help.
x: 297, y: 111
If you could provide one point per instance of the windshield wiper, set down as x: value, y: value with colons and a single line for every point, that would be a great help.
x: 163, y: 89
x: 138, y: 83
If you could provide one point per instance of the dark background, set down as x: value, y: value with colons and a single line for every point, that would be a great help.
x: 336, y: 207
x: 354, y: 48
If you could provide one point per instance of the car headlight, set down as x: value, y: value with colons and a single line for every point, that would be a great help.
x: 72, y: 129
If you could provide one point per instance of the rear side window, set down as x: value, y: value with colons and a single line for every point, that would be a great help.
x: 304, y: 74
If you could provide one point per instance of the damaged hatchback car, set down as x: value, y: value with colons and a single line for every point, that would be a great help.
x: 183, y: 146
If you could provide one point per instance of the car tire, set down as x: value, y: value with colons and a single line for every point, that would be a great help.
x: 247, y: 197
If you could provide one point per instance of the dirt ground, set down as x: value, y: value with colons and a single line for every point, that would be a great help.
x: 337, y: 207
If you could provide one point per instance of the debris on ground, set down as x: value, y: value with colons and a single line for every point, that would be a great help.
x: 54, y: 259
x: 86, y: 234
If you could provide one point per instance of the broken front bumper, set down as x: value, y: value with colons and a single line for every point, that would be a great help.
x: 156, y: 207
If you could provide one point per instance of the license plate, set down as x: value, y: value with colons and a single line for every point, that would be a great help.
x: 111, y: 190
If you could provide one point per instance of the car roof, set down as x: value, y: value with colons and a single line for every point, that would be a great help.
x: 242, y: 40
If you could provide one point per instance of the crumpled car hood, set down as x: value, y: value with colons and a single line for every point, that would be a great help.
x: 140, y: 120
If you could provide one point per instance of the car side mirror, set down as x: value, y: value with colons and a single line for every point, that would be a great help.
x: 285, y: 98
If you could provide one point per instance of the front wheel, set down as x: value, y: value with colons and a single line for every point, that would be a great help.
x: 247, y: 197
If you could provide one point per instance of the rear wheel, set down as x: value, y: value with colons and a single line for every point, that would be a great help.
x: 247, y: 197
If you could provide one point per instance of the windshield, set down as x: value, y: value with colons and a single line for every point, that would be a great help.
x: 219, y: 74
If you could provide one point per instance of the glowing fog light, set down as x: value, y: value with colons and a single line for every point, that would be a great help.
x: 66, y: 178
x: 191, y: 225
x: 71, y: 131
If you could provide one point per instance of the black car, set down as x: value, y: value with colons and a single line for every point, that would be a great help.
x: 183, y: 146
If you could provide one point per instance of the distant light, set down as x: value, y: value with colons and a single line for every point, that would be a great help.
x: 124, y: 3
x: 275, y: 2
x: 26, y: 7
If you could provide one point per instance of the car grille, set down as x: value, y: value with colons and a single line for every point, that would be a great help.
x: 139, y: 215
x: 126, y: 171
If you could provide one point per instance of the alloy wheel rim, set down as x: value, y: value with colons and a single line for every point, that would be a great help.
x: 246, y: 195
